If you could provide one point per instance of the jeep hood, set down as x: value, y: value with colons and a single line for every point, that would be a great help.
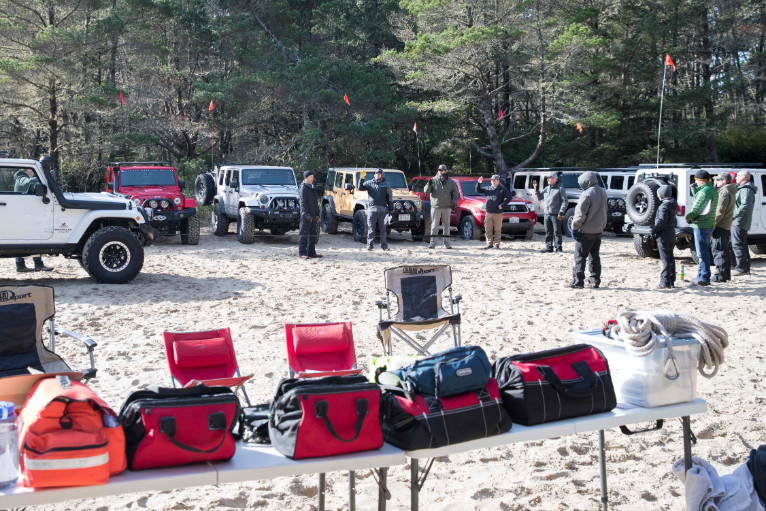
x: 99, y: 197
x: 268, y: 189
x: 150, y: 191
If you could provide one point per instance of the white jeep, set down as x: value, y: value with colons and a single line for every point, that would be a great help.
x: 105, y: 232
x: 254, y: 196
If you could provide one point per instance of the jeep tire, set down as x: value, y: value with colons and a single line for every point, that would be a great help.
x: 113, y: 255
x: 245, y: 227
x: 758, y: 249
x: 423, y: 233
x: 220, y: 222
x: 190, y: 231
x: 359, y: 226
x: 204, y: 188
x: 566, y: 223
x: 642, y: 202
x: 468, y: 229
x: 329, y: 221
x: 645, y: 247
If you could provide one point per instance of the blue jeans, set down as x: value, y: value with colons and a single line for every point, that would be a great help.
x: 702, y: 244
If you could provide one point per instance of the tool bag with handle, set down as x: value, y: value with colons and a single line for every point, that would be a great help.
x: 68, y: 436
x: 555, y: 384
x: 168, y: 427
x: 447, y: 373
x: 314, y: 417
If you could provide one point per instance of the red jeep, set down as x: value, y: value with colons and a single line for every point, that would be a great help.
x: 518, y: 217
x: 156, y: 187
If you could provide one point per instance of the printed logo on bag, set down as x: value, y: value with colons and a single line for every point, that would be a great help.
x: 10, y: 296
x: 466, y: 371
x: 417, y: 271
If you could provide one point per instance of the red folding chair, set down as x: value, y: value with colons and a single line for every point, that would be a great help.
x: 320, y: 349
x: 203, y: 357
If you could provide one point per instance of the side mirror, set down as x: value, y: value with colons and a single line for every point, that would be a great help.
x: 181, y: 184
x: 234, y: 184
x: 42, y: 191
x: 348, y: 187
x: 110, y: 186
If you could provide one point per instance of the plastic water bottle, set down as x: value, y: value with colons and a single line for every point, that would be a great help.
x: 9, y: 445
x: 681, y: 273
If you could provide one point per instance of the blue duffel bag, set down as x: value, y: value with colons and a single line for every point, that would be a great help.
x: 447, y: 373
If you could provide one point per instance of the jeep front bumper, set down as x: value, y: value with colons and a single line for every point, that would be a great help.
x: 165, y: 219
x: 279, y: 217
x: 406, y: 219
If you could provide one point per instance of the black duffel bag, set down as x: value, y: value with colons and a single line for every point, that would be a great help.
x: 555, y: 384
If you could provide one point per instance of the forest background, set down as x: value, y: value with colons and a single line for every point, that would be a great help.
x: 491, y: 85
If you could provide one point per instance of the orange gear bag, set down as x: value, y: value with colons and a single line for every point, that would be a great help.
x: 68, y: 436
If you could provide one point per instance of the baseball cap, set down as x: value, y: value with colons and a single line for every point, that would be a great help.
x: 379, y: 171
x: 495, y: 177
x: 442, y: 167
x: 552, y: 174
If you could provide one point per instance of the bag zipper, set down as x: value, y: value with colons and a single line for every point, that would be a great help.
x: 74, y: 448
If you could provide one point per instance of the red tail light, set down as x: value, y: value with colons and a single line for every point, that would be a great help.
x: 681, y: 211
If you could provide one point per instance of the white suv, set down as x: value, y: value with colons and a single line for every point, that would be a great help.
x: 105, y: 232
x: 642, y: 203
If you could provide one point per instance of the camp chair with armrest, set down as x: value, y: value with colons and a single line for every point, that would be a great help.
x: 418, y: 290
x: 203, y: 357
x: 24, y: 312
x: 320, y: 349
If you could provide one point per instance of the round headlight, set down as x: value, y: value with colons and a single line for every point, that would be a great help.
x: 417, y: 203
x: 398, y: 206
x: 137, y: 201
x: 484, y: 207
x: 264, y: 199
x: 177, y: 201
x: 165, y: 204
x: 408, y: 206
x: 153, y: 204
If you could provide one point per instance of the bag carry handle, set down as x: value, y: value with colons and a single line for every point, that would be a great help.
x: 322, y: 407
x: 215, y: 421
x: 657, y: 425
x: 582, y: 369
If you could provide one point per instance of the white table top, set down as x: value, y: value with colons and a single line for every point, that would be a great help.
x: 606, y: 420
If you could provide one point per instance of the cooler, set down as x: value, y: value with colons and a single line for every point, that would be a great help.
x: 643, y: 381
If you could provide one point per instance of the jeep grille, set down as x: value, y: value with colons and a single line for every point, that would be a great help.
x: 516, y: 208
x: 283, y: 203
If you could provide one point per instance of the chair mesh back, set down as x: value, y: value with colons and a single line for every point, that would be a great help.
x: 419, y: 298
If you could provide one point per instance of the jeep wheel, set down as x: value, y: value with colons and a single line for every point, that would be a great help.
x: 645, y: 246
x: 190, y: 231
x: 204, y: 189
x: 359, y: 226
x: 220, y: 222
x: 329, y: 222
x: 758, y: 249
x: 566, y: 224
x: 423, y: 233
x: 642, y: 202
x: 468, y: 229
x: 278, y: 231
x: 113, y: 255
x: 245, y: 227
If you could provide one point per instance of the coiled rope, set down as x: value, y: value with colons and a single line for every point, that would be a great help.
x: 642, y: 331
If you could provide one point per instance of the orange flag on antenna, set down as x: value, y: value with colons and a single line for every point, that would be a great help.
x: 345, y: 98
x: 415, y: 127
x: 669, y: 61
x: 579, y: 127
x: 501, y: 115
x: 122, y: 99
x: 211, y: 107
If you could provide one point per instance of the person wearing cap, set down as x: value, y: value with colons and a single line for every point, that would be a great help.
x: 554, y: 197
x: 444, y: 197
x: 741, y: 222
x: 498, y: 197
x: 588, y: 224
x: 380, y: 205
x: 664, y: 231
x: 702, y: 218
x: 309, y: 224
x: 720, y: 243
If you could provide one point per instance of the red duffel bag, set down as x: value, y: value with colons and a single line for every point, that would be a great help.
x: 169, y: 427
x: 312, y: 417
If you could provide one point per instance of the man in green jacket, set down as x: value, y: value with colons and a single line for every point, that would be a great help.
x: 721, y: 240
x: 702, y: 218
x: 742, y: 220
x: 444, y: 197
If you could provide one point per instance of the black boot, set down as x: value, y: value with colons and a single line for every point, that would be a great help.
x: 39, y: 266
x: 21, y: 266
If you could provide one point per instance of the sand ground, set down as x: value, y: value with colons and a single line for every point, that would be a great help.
x: 514, y: 300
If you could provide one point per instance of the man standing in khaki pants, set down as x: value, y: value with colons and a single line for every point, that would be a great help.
x: 498, y: 197
x: 444, y: 197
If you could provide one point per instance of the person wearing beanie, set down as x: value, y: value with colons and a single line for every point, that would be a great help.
x: 444, y: 196
x: 701, y: 217
x: 742, y: 221
x: 664, y: 231
x: 720, y: 243
x: 588, y: 224
x: 309, y: 224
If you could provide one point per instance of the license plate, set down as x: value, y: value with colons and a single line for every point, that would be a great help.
x: 513, y: 220
x: 404, y: 218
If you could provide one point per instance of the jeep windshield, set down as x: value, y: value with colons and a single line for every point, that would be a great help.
x: 148, y: 177
x: 570, y: 181
x: 395, y: 179
x: 469, y: 188
x: 260, y: 177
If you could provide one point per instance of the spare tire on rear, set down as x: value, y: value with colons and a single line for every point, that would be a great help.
x: 204, y: 189
x: 642, y: 202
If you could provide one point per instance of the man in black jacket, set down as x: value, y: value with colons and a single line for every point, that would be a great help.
x: 498, y: 197
x: 379, y: 206
x: 664, y: 231
x: 309, y: 228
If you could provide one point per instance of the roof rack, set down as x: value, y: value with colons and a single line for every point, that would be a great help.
x: 557, y: 169
x: 701, y: 165
x: 147, y: 163
x: 617, y: 169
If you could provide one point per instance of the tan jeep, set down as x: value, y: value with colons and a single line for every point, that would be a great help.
x: 344, y: 202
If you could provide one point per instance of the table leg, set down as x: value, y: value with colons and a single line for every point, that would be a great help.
x: 602, y: 468
x: 414, y: 476
x: 351, y: 490
x: 686, y: 424
x: 383, y: 472
x: 321, y: 490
